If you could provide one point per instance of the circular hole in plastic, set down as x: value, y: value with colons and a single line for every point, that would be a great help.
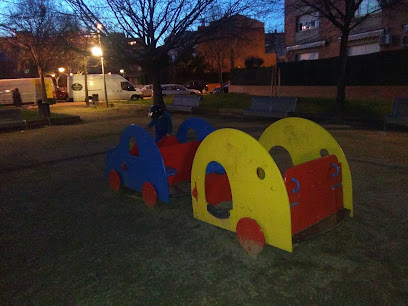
x: 324, y: 152
x: 133, y: 150
x: 261, y: 173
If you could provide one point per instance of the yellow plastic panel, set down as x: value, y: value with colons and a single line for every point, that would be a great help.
x: 263, y: 199
x: 304, y: 139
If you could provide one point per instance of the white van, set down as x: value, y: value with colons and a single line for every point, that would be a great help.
x: 29, y: 88
x: 117, y: 87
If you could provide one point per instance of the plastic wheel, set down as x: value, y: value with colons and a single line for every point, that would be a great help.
x: 149, y: 194
x: 114, y: 180
x: 250, y: 236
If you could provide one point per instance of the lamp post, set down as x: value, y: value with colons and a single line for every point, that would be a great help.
x: 97, y: 51
x: 122, y: 72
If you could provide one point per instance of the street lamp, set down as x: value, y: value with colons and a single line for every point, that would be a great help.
x: 97, y: 51
x: 122, y: 72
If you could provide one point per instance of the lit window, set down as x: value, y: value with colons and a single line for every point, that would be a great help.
x: 367, y: 7
x: 308, y: 22
x: 307, y: 56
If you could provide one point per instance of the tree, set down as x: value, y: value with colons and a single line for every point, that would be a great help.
x: 192, y: 66
x: 36, y: 28
x: 224, y: 45
x: 343, y: 15
x: 154, y: 28
x: 14, y: 64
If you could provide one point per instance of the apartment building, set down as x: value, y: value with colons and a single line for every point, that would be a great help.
x: 240, y: 38
x: 309, y: 36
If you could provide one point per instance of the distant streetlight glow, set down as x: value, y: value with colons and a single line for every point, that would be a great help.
x: 61, y: 69
x: 53, y: 75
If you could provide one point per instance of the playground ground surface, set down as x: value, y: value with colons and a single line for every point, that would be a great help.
x: 66, y: 238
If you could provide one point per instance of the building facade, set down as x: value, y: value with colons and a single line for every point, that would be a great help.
x: 230, y: 46
x: 309, y: 36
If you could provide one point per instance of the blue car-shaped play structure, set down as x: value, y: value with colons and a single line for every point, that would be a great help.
x: 138, y: 163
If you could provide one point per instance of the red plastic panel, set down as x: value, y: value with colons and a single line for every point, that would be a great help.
x: 217, y: 188
x: 250, y: 236
x: 167, y: 141
x: 179, y: 156
x: 315, y: 191
x: 149, y: 194
x: 114, y: 180
x: 194, y: 192
x: 134, y: 150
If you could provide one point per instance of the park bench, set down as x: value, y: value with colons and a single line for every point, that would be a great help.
x: 184, y: 103
x: 11, y: 118
x: 399, y: 115
x: 274, y: 107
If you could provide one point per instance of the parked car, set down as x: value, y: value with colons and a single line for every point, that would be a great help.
x: 174, y: 89
x: 147, y: 90
x: 197, y: 84
x: 225, y: 87
x: 61, y: 94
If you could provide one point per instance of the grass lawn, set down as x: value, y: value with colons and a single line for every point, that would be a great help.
x: 367, y: 108
x: 371, y: 108
x: 67, y: 239
x: 33, y: 114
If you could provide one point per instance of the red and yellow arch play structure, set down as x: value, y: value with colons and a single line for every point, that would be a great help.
x: 266, y: 207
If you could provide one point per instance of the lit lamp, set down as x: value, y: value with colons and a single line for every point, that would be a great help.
x: 61, y: 69
x: 122, y: 72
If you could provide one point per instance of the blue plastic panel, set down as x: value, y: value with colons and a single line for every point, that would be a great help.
x: 148, y: 166
x: 201, y: 127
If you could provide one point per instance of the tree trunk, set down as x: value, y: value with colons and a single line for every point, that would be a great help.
x: 43, y: 90
x: 154, y: 75
x: 341, y: 82
x: 220, y: 78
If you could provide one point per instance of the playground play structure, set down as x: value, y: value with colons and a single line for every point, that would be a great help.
x: 235, y: 182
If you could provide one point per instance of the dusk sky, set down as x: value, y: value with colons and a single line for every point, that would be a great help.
x: 273, y: 17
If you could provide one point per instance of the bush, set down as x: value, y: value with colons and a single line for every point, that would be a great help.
x: 253, y: 62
